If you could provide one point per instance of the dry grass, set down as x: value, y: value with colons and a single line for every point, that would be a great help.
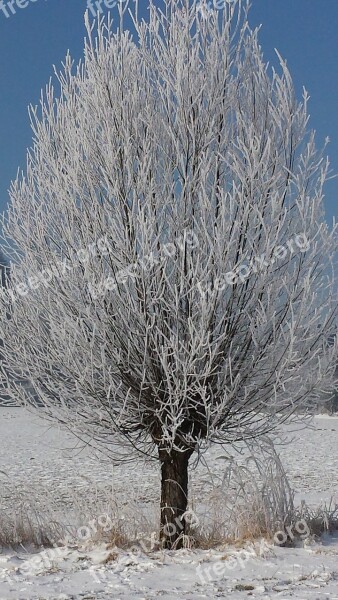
x: 323, y: 519
x: 251, y: 500
x: 33, y: 519
x: 27, y: 527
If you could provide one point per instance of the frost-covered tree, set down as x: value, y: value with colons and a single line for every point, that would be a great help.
x: 4, y: 275
x: 172, y: 274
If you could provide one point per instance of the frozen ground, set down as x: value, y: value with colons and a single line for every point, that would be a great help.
x: 39, y: 460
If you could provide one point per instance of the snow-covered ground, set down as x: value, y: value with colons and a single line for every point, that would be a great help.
x: 41, y: 461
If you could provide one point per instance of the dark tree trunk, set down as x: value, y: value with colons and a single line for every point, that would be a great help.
x: 174, y: 497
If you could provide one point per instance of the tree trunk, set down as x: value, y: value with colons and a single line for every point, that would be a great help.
x: 174, y: 497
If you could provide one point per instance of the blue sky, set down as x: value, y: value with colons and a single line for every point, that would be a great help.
x: 39, y: 35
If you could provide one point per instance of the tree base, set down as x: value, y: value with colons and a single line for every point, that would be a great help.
x: 174, y: 497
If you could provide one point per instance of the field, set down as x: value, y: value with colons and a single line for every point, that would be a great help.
x: 64, y: 485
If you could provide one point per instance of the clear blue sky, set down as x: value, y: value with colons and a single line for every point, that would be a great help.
x: 38, y: 36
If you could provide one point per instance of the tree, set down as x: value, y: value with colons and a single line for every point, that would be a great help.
x: 172, y: 283
x: 4, y: 275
